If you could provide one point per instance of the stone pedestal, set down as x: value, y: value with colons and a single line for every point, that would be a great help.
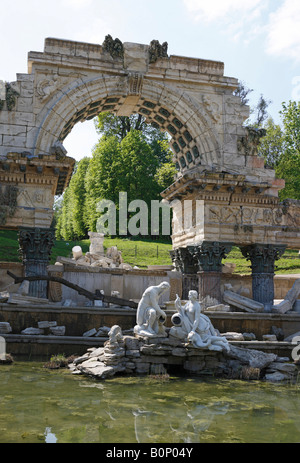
x: 263, y: 257
x: 35, y: 249
x: 210, y: 285
x: 209, y: 257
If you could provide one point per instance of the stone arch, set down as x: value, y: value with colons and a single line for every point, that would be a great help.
x: 193, y: 137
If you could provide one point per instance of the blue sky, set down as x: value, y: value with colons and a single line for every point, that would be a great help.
x: 258, y: 40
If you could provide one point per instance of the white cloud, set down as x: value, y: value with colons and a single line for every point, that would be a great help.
x: 284, y: 31
x: 211, y: 10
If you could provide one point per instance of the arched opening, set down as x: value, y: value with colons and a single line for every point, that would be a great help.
x: 193, y: 141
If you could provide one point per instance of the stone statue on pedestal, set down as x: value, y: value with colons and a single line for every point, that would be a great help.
x: 150, y: 317
x: 192, y: 326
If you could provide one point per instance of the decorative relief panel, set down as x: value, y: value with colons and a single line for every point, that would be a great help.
x: 240, y: 215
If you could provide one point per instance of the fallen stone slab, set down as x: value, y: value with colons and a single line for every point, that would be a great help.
x: 58, y: 330
x: 19, y: 299
x: 46, y: 324
x: 90, y: 333
x: 33, y: 331
x: 5, y: 328
x: 243, y: 303
x: 233, y: 336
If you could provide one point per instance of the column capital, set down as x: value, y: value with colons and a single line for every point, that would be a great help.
x: 263, y: 256
x: 184, y: 261
x: 36, y: 244
x: 209, y: 255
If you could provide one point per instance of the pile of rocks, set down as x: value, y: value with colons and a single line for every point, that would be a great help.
x: 96, y: 257
x: 142, y: 356
x: 45, y: 328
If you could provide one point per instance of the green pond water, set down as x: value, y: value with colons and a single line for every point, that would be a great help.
x: 53, y: 406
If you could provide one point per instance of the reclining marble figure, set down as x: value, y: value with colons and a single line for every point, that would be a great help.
x: 150, y: 317
x: 192, y: 326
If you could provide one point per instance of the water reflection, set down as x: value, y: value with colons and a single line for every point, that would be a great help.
x: 56, y: 407
x: 50, y: 438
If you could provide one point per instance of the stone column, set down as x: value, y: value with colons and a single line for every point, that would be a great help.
x: 263, y: 257
x: 186, y: 264
x: 35, y: 250
x: 209, y: 256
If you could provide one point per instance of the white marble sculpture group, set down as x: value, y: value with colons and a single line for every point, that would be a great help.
x: 189, y: 324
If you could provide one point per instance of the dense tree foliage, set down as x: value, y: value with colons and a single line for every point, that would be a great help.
x: 288, y: 166
x: 130, y: 157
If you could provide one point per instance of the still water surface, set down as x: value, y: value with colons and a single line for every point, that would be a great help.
x: 39, y: 405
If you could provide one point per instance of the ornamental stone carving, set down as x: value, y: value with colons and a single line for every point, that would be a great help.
x: 209, y: 255
x: 11, y: 96
x: 248, y: 144
x: 36, y: 244
x: 114, y: 47
x: 157, y: 51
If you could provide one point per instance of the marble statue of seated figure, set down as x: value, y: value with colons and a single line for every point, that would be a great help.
x: 150, y: 317
x: 193, y: 326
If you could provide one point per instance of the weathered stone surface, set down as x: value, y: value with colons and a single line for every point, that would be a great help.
x: 269, y: 337
x: 251, y: 357
x: 283, y: 307
x: 58, y: 330
x: 32, y: 331
x: 90, y: 333
x: 5, y: 328
x: 232, y: 336
x: 46, y: 324
x: 285, y: 368
x: 243, y: 303
x: 249, y: 336
x: 276, y: 377
x: 194, y: 365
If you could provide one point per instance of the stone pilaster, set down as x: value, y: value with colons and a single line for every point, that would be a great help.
x: 35, y: 250
x: 263, y: 258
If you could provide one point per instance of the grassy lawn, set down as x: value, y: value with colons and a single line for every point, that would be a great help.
x: 140, y: 253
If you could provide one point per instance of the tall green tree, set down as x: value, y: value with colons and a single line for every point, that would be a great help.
x: 71, y: 218
x: 131, y: 166
x: 272, y: 145
x: 289, y: 165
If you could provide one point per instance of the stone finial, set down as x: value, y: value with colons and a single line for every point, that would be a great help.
x: 157, y: 51
x: 113, y: 47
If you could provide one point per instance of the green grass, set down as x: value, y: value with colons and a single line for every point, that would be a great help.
x: 140, y: 253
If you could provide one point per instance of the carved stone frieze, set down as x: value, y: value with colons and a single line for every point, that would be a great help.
x: 243, y: 215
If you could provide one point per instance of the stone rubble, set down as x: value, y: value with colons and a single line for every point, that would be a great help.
x: 131, y: 355
x: 45, y: 328
x: 5, y: 328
